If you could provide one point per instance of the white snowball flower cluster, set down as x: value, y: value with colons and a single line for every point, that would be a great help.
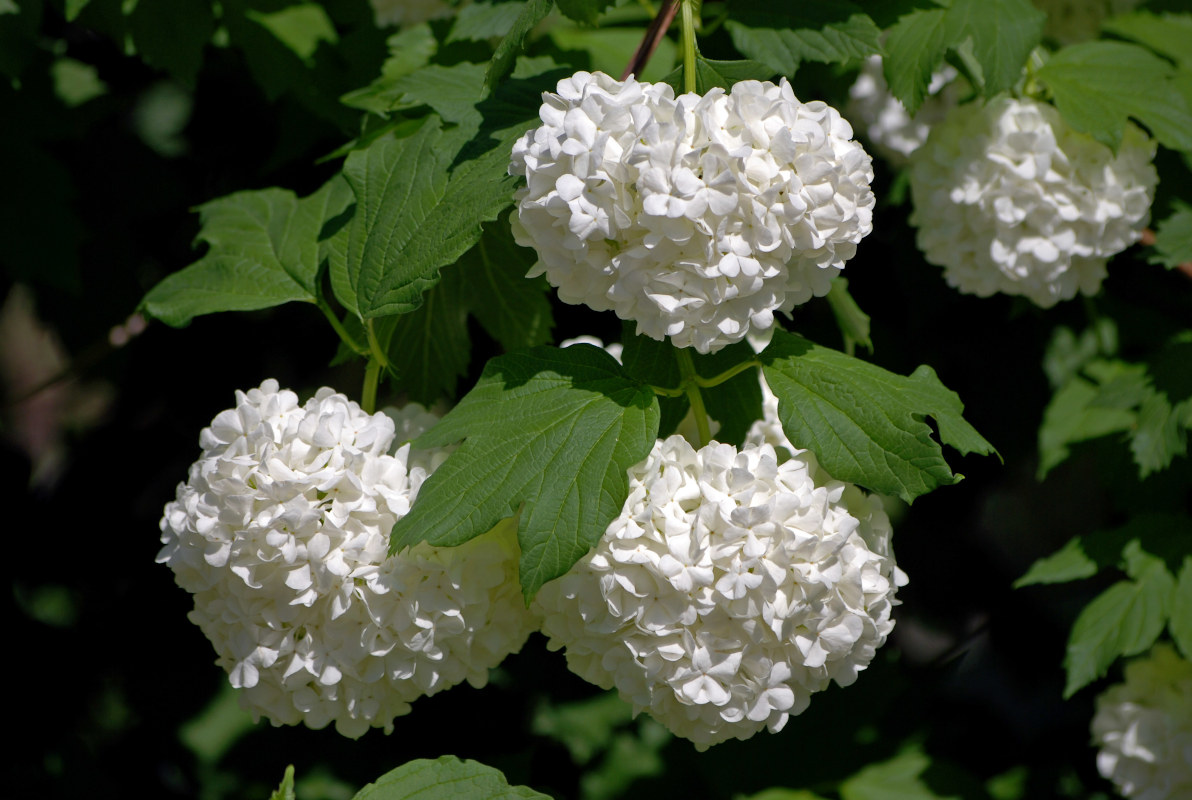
x: 1143, y: 728
x: 729, y: 589
x: 1009, y: 198
x: 404, y: 13
x: 282, y: 534
x: 696, y: 216
x: 1071, y: 21
x: 884, y: 120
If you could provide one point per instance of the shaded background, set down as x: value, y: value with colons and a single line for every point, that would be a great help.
x: 117, y: 694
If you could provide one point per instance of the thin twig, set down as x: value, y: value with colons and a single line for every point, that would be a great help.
x: 654, y: 34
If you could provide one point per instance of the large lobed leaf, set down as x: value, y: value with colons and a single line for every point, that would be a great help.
x: 444, y: 778
x: 782, y: 36
x: 548, y: 431
x: 867, y: 425
x: 264, y: 251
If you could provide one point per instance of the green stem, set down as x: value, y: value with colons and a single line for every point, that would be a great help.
x: 375, y: 351
x: 728, y: 374
x: 690, y: 383
x: 689, y: 49
x: 372, y: 376
x: 339, y: 328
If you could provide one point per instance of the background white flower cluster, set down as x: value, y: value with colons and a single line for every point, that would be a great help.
x: 281, y: 533
x: 1143, y: 727
x: 695, y: 216
x: 884, y: 121
x: 1009, y: 198
x: 729, y: 590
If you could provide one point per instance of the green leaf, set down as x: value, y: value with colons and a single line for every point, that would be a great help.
x: 171, y: 35
x: 513, y: 309
x: 722, y: 74
x: 1167, y: 34
x: 1180, y: 623
x: 550, y: 431
x: 264, y: 251
x: 866, y: 425
x: 915, y: 48
x: 1124, y: 620
x: 852, y: 321
x: 534, y: 12
x: 1069, y: 563
x: 1073, y: 416
x: 585, y: 727
x: 444, y: 778
x: 896, y: 779
x: 429, y: 348
x: 1002, y: 34
x: 300, y: 28
x: 781, y: 36
x: 452, y: 92
x: 1067, y: 353
x: 416, y: 211
x: 653, y: 362
x: 1173, y: 239
x: 286, y: 790
x: 585, y: 12
x: 779, y: 793
x: 1160, y: 435
x: 737, y: 403
x: 75, y: 82
x: 74, y: 8
x: 1097, y: 86
x: 409, y: 50
x: 482, y: 21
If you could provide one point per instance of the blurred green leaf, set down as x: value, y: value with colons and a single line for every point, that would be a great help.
x: 1173, y: 238
x: 781, y: 794
x: 866, y: 425
x: 896, y: 779
x: 584, y: 11
x: 1167, y: 34
x: 215, y: 730
x: 75, y: 82
x: 484, y: 20
x: 444, y: 778
x: 1069, y: 563
x: 286, y: 790
x: 533, y: 12
x: 1073, y: 416
x: 852, y: 321
x: 585, y: 727
x: 782, y: 36
x: 1098, y: 86
x: 1180, y: 623
x: 300, y: 28
x: 74, y: 7
x: 171, y: 35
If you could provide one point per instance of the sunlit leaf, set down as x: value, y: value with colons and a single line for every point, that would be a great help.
x: 445, y: 778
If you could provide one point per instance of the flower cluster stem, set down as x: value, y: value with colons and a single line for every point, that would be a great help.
x: 690, y: 384
x: 372, y: 373
x: 339, y: 328
x: 689, y: 50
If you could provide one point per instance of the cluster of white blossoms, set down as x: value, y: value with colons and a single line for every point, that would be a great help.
x: 884, y: 120
x: 1009, y: 198
x: 1143, y: 728
x: 281, y: 533
x: 695, y: 216
x: 729, y: 589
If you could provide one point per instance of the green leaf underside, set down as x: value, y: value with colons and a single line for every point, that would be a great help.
x: 429, y: 348
x: 1173, y: 239
x: 1069, y: 563
x: 1098, y: 86
x: 782, y: 36
x: 1124, y: 620
x: 264, y: 251
x: 507, y: 51
x: 414, y: 215
x: 445, y: 778
x: 1180, y: 623
x: 867, y: 425
x: 553, y: 429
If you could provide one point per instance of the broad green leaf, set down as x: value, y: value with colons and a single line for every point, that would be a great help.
x: 915, y: 48
x: 866, y: 425
x: 1180, y: 623
x: 429, y: 348
x: 653, y: 362
x: 445, y: 778
x: 507, y: 51
x: 171, y: 35
x: 409, y: 50
x: 584, y: 11
x: 482, y: 21
x: 263, y: 251
x: 300, y: 27
x: 285, y: 791
x: 416, y: 211
x: 1069, y: 563
x: 1072, y: 416
x: 782, y: 36
x: 549, y: 431
x: 1124, y: 620
x: 452, y: 92
x: 1167, y: 34
x: 1173, y: 239
x: 722, y: 74
x: 852, y: 321
x: 896, y: 779
x: 610, y: 49
x: 1002, y: 34
x: 513, y: 309
x: 1097, y: 86
x: 1160, y: 435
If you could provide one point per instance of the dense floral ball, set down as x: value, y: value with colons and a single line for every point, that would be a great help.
x: 885, y: 122
x: 1009, y: 198
x: 696, y: 217
x: 728, y: 591
x: 281, y: 533
x: 1143, y: 728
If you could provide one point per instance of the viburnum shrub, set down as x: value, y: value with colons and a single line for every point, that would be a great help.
x: 704, y: 516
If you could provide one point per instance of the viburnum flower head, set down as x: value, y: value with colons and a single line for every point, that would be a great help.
x: 728, y: 591
x: 695, y: 216
x: 281, y: 533
x: 1009, y: 198
x: 1143, y: 728
x: 883, y: 119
